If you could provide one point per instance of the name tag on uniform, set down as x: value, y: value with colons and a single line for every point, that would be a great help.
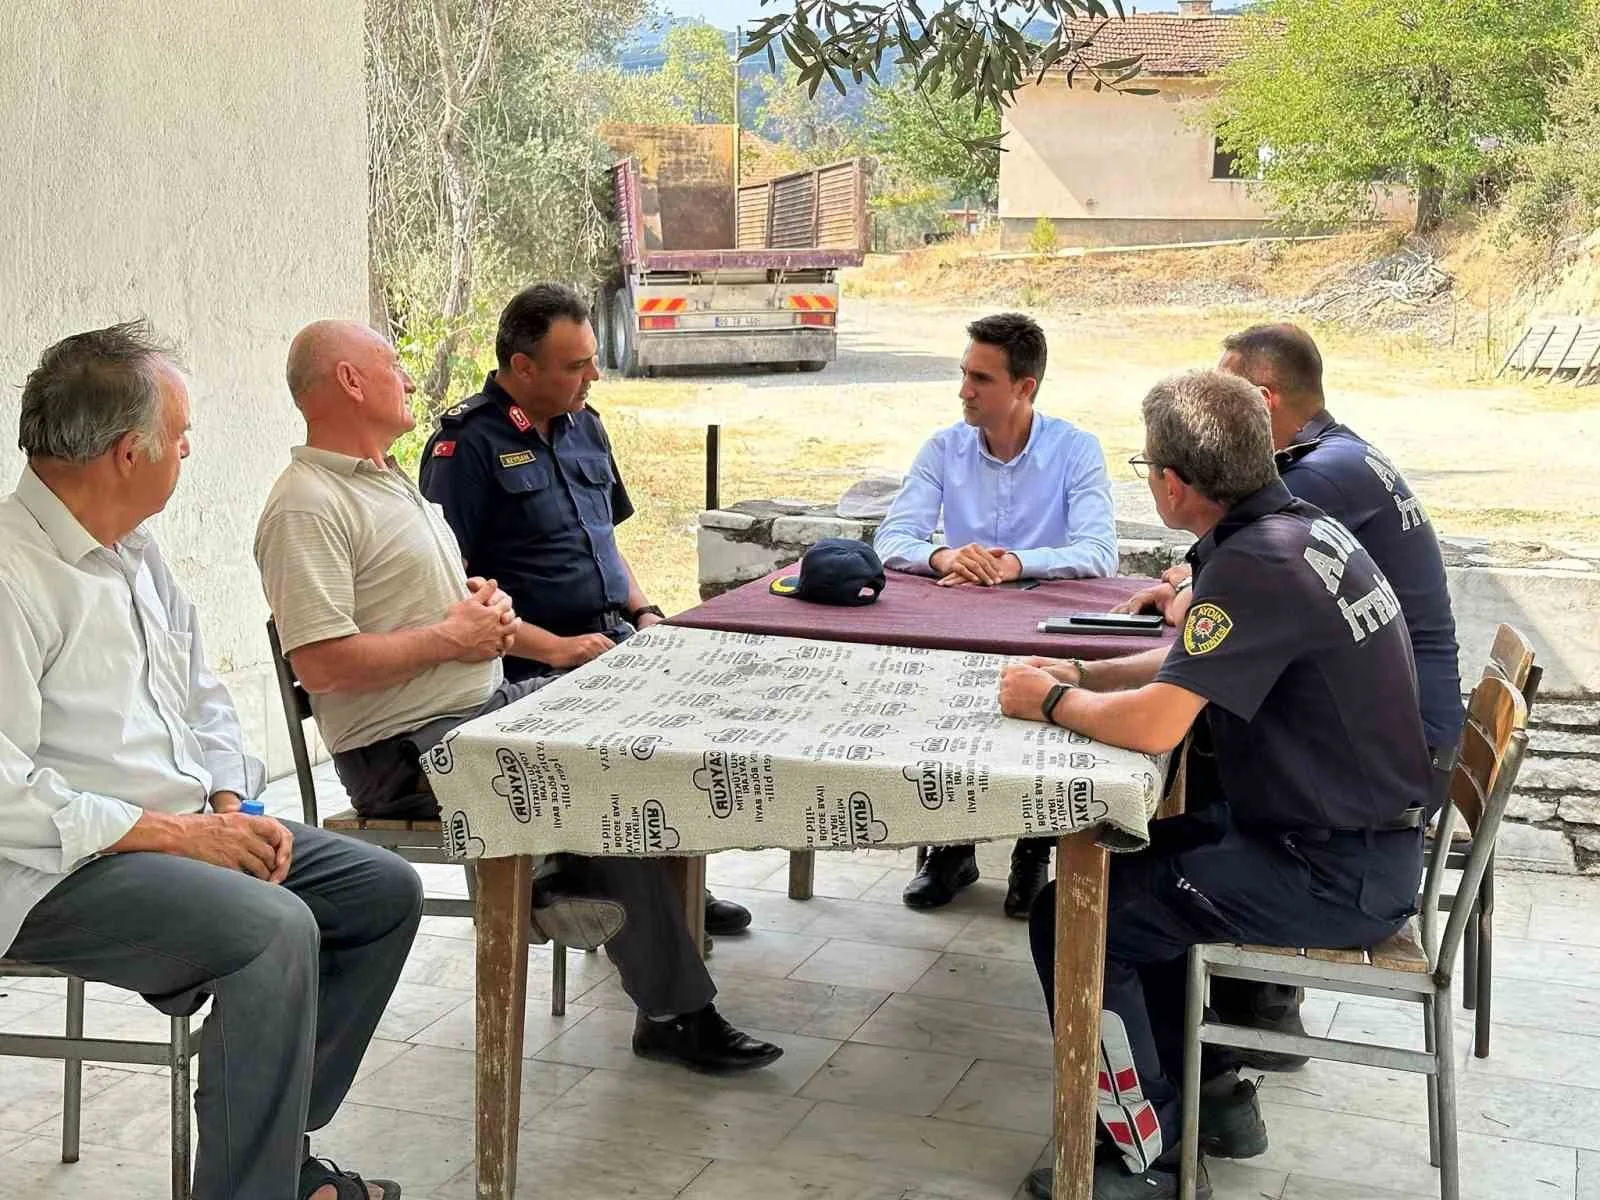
x: 519, y: 458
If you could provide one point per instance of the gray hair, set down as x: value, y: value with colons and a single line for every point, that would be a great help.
x: 92, y: 388
x: 1214, y: 431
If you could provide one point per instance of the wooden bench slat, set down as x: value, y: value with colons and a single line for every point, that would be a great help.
x: 1402, y: 952
x: 1358, y: 957
x: 349, y: 819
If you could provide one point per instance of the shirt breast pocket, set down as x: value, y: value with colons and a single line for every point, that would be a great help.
x: 529, y: 486
x: 591, y: 488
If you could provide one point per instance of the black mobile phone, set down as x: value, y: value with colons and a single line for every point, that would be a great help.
x: 1140, y: 624
x: 1019, y: 585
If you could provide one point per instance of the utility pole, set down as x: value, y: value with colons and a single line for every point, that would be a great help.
x: 738, y: 40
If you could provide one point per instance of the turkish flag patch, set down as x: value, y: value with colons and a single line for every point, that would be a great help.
x: 443, y: 449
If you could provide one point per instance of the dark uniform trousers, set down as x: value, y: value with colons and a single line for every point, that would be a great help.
x: 659, y: 964
x: 1203, y: 879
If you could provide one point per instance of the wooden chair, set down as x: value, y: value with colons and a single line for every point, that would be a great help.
x: 1491, y: 751
x: 74, y: 1050
x: 415, y: 841
x: 1512, y: 656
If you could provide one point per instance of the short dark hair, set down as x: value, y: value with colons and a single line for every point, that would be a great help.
x: 525, y: 321
x: 90, y: 389
x: 1212, y: 429
x: 1283, y: 357
x: 1019, y: 336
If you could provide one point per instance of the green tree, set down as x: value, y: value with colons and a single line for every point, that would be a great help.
x: 699, y: 73
x: 1557, y: 188
x: 809, y: 128
x: 1336, y: 95
x: 931, y: 133
x: 642, y: 98
x: 977, y: 47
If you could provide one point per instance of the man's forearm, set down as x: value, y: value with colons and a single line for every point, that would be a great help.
x: 536, y: 643
x: 1120, y: 674
x: 370, y: 662
x: 153, y: 832
x: 1149, y: 719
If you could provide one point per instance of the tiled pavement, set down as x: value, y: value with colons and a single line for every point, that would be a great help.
x: 917, y: 1067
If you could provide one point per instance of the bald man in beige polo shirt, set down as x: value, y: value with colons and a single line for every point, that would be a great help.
x: 397, y: 646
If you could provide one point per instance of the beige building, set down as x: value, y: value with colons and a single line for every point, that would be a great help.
x: 1110, y: 168
x: 204, y: 165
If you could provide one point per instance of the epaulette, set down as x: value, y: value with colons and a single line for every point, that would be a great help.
x: 459, y: 414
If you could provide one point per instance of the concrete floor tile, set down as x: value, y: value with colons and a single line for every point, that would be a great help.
x: 1002, y: 1095
x: 133, y: 1114
x: 429, y: 1080
x: 764, y: 953
x: 1547, y: 962
x: 982, y: 981
x: 860, y: 964
x: 955, y: 1027
x: 1541, y: 1004
x: 415, y: 1006
x: 30, y: 1092
x: 770, y: 910
x: 837, y: 874
x: 458, y: 1028
x: 913, y: 1082
x: 1541, y: 1055
x: 558, y: 1167
x: 1588, y: 1175
x: 415, y: 1150
x: 742, y: 1181
x: 855, y: 1138
x: 886, y: 925
x: 1309, y: 1187
x: 677, y: 1116
x: 744, y: 868
x: 34, y: 1170
x: 1569, y: 923
x: 1243, y: 1181
x: 994, y: 935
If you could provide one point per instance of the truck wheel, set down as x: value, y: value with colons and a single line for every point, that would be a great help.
x: 624, y: 337
x: 810, y: 365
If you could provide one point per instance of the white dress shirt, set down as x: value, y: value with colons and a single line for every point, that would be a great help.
x: 107, y: 707
x: 1050, y: 505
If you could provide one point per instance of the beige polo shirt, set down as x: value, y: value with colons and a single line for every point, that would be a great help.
x: 345, y: 547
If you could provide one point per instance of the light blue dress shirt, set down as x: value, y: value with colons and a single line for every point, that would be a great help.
x: 1050, y: 505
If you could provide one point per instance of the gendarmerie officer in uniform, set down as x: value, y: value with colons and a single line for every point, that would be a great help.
x: 526, y: 478
x: 1295, y: 653
x: 1333, y: 467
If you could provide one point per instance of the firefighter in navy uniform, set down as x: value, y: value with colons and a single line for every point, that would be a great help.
x: 1328, y: 464
x: 526, y: 478
x: 1295, y: 653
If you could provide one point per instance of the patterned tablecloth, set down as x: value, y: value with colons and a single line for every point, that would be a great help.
x: 687, y: 741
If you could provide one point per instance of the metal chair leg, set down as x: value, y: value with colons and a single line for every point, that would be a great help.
x: 1193, y: 1013
x: 1469, y: 952
x: 72, y: 1082
x: 1485, y: 962
x: 1428, y: 1006
x: 1444, y: 1057
x: 558, y: 980
x: 179, y: 1066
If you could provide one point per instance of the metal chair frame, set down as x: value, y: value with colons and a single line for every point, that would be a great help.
x: 414, y: 841
x: 1492, y: 747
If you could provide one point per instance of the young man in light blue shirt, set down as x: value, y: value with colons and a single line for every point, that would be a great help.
x: 1023, y: 496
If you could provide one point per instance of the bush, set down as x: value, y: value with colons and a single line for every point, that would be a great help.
x: 1557, y: 188
x: 1043, y: 238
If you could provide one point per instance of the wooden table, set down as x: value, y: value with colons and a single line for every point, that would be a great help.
x: 525, y: 781
x: 504, y: 886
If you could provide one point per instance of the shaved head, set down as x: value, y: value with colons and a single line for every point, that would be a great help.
x: 319, y: 348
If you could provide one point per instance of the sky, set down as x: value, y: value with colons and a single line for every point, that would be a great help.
x: 725, y: 14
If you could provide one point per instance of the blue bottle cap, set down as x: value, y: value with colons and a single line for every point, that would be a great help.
x: 253, y: 808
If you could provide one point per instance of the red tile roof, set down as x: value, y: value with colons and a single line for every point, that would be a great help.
x: 1170, y: 44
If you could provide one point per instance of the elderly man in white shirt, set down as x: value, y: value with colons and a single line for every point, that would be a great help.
x: 124, y: 856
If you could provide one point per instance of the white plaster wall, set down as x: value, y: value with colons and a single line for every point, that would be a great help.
x: 203, y: 164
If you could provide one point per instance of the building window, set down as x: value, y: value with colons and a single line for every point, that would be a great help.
x: 1225, y: 164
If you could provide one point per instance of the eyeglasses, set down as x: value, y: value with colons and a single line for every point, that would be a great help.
x: 1142, y: 466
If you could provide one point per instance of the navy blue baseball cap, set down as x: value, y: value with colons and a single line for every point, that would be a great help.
x: 835, y: 571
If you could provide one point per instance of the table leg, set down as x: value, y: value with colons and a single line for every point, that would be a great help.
x: 1081, y: 867
x: 689, y: 880
x: 802, y: 873
x: 503, y: 903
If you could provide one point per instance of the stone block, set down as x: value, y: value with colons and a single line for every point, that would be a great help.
x: 1530, y: 808
x: 1560, y: 774
x: 1528, y: 848
x: 733, y: 522
x: 1580, y: 810
x: 1559, y: 742
x: 726, y: 563
x: 1576, y: 714
x: 803, y: 531
x: 1554, y: 608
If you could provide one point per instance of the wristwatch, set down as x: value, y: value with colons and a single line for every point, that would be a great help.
x: 633, y: 617
x: 1183, y: 585
x: 1053, y: 698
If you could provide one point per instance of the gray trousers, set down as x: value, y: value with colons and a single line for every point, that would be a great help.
x: 658, y: 962
x: 298, y: 975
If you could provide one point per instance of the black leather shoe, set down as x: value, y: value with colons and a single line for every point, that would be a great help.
x: 1230, y: 1118
x: 724, y: 917
x: 1030, y: 870
x: 701, y: 1041
x: 945, y: 872
x: 1262, y: 1006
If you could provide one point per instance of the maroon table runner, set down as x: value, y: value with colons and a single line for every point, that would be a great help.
x: 914, y: 611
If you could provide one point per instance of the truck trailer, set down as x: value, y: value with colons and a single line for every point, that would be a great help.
x: 710, y: 274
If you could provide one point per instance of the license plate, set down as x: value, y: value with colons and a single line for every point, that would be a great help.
x: 736, y: 322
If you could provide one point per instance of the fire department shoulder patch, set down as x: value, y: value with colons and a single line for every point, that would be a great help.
x: 1206, y: 628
